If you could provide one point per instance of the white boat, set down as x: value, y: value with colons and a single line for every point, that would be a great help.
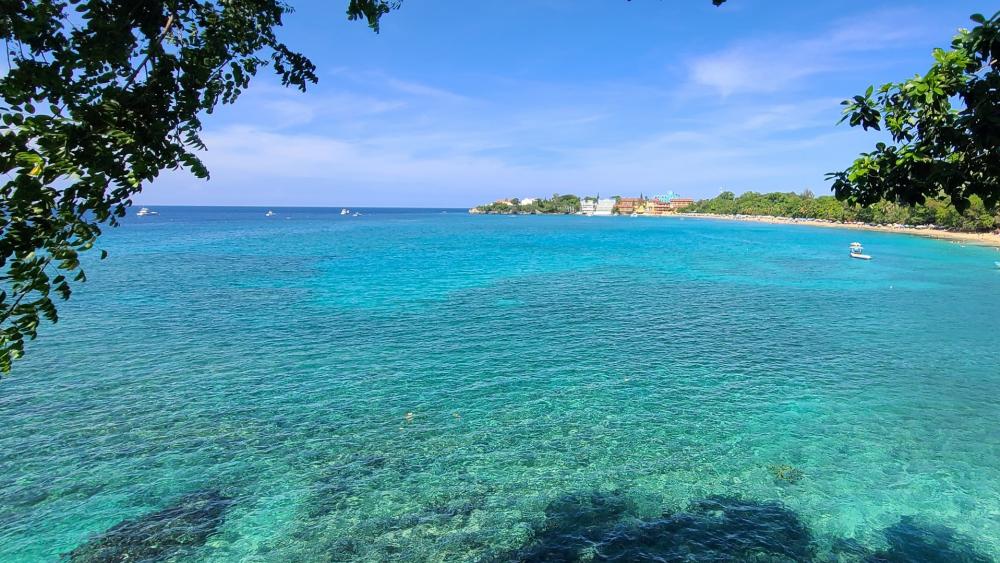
x: 269, y: 213
x: 634, y: 214
x: 356, y: 214
x: 857, y: 251
x: 345, y: 211
x: 146, y: 211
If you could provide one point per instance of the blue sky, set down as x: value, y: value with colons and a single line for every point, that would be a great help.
x: 457, y: 103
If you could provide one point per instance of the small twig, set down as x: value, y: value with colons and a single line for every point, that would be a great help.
x: 149, y: 50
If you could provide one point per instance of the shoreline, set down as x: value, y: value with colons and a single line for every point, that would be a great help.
x: 980, y: 239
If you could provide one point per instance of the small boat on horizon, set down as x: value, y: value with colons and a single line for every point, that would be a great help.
x: 146, y: 211
x: 857, y: 251
x: 345, y: 211
x: 269, y: 213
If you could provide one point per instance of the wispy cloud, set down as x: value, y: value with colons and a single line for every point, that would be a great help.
x: 384, y: 81
x: 418, y: 89
x: 775, y: 64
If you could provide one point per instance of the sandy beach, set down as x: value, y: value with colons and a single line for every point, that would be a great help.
x: 983, y: 239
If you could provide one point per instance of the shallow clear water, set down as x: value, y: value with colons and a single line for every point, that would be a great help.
x: 413, y: 385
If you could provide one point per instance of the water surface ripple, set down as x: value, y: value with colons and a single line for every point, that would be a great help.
x: 415, y: 385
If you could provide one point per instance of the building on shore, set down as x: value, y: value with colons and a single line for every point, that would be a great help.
x: 590, y: 205
x: 667, y: 203
x: 680, y: 203
x: 630, y: 205
x: 605, y: 207
x: 657, y: 207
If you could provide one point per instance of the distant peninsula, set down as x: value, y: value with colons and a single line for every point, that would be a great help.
x: 977, y: 223
x: 934, y: 213
x: 586, y: 205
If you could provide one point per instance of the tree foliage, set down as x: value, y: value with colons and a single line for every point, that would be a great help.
x: 944, y: 128
x: 98, y: 98
x: 556, y: 205
x: 938, y: 212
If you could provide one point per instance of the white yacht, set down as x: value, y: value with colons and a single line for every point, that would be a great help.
x: 146, y: 211
x: 345, y: 211
x: 269, y: 213
x: 356, y: 214
x: 857, y: 251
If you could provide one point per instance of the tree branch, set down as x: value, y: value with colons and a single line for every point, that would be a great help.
x: 149, y: 51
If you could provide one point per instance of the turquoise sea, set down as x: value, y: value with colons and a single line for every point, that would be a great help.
x: 422, y: 385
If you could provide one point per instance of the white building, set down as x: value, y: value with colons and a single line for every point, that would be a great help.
x: 528, y: 200
x: 588, y: 206
x: 605, y: 207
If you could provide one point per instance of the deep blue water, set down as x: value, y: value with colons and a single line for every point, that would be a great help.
x: 417, y: 385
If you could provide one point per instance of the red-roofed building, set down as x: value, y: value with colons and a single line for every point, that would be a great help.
x: 657, y: 207
x: 680, y: 202
x: 629, y: 205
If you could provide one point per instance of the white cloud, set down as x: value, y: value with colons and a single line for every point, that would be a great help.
x: 773, y: 65
x: 382, y: 80
x: 274, y: 106
x: 418, y: 89
x: 751, y: 68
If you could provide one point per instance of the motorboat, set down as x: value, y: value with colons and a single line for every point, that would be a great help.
x: 269, y: 213
x: 356, y: 214
x: 146, y: 211
x: 857, y: 251
x: 345, y: 211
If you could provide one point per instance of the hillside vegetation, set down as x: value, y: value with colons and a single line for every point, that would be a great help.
x: 937, y: 212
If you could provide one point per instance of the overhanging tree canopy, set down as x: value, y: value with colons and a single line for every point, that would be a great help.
x: 99, y: 97
x: 944, y: 127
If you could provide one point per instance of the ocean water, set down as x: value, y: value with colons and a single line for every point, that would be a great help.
x: 415, y: 385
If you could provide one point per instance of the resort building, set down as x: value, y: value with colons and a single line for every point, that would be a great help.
x: 588, y: 206
x: 657, y: 207
x: 528, y: 200
x: 630, y: 205
x: 669, y: 202
x: 605, y: 207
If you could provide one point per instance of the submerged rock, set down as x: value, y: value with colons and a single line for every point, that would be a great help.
x: 910, y: 540
x: 713, y: 529
x: 786, y: 474
x: 338, y: 482
x: 159, y: 535
x: 603, y: 527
